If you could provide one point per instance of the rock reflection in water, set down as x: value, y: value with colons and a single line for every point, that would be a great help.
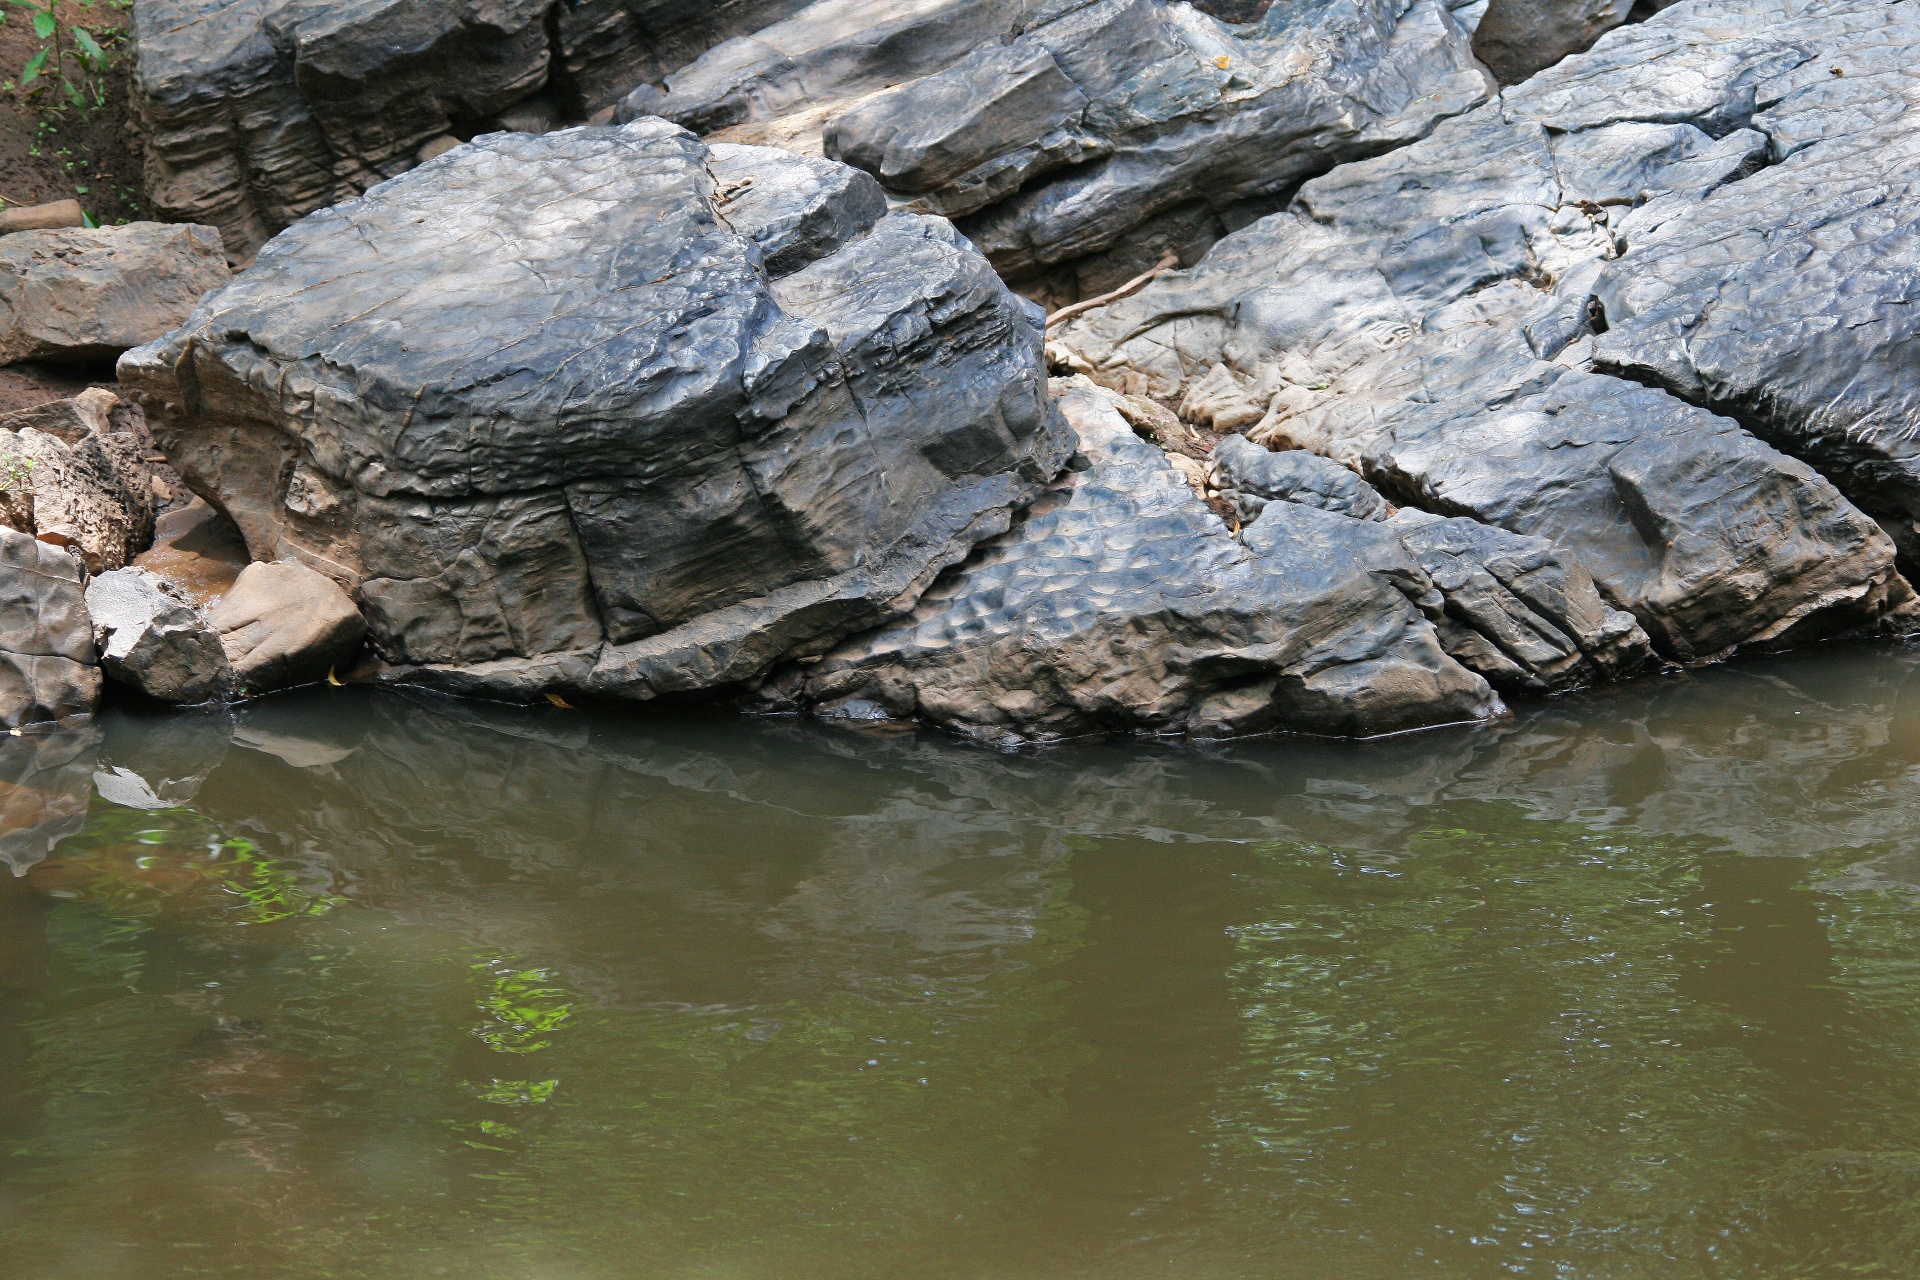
x: 340, y: 982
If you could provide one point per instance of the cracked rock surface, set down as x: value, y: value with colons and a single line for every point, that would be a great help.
x: 1450, y: 320
x: 1119, y: 602
x: 545, y: 409
x: 257, y: 112
x: 47, y: 667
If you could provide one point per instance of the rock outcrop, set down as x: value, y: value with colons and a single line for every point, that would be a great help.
x: 47, y: 668
x: 1517, y: 38
x: 257, y: 113
x: 1116, y: 128
x: 572, y: 431
x: 86, y: 294
x: 153, y: 639
x: 284, y: 625
x: 1119, y: 602
x: 1449, y: 320
x: 75, y: 473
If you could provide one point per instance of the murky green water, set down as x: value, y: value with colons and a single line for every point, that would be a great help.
x: 367, y: 987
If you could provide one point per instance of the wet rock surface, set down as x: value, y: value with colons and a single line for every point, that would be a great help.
x: 84, y: 295
x: 1120, y: 602
x: 47, y: 668
x: 1428, y: 318
x: 608, y: 448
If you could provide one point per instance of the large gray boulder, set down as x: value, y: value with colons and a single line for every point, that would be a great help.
x: 1120, y: 603
x: 257, y: 112
x: 544, y: 409
x: 85, y: 294
x: 152, y: 638
x: 284, y: 625
x: 47, y: 668
x: 1428, y: 319
x: 1084, y: 138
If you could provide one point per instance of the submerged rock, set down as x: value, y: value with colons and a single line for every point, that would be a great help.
x: 84, y: 295
x: 1428, y: 319
x: 648, y: 438
x: 1119, y: 602
x: 152, y: 640
x: 47, y: 667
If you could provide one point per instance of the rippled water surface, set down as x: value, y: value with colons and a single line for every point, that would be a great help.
x: 361, y: 986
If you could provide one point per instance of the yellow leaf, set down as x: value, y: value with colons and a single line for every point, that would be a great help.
x: 332, y: 679
x: 559, y: 701
x: 1222, y: 61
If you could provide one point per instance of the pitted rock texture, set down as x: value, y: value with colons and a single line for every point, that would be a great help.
x: 1120, y: 602
x: 257, y: 112
x: 84, y: 295
x: 75, y: 472
x: 1249, y: 477
x: 47, y: 667
x: 1428, y: 319
x: 540, y: 406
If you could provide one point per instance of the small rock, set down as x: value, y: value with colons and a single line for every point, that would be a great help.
x: 47, y: 668
x: 76, y: 471
x: 154, y: 641
x: 284, y: 624
x: 42, y: 217
x: 1517, y: 38
x: 1250, y: 477
x: 437, y: 147
x: 85, y: 295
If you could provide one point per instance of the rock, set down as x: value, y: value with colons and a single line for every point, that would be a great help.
x: 437, y: 147
x: 152, y: 640
x: 1119, y: 602
x: 42, y: 217
x: 1250, y: 477
x: 285, y: 624
x: 80, y: 477
x: 257, y: 114
x: 47, y: 667
x: 1427, y: 319
x: 1517, y: 38
x: 197, y: 551
x: 86, y: 295
x: 45, y: 785
x: 1518, y: 610
x: 650, y: 441
x: 160, y: 762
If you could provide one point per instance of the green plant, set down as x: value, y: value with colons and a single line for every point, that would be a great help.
x: 77, y: 63
x: 16, y: 474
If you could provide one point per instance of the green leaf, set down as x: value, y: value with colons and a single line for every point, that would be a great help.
x: 90, y: 47
x: 43, y: 25
x: 86, y: 219
x: 32, y: 70
x: 25, y: 4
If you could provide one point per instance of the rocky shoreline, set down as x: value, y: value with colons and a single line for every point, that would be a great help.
x: 1031, y: 369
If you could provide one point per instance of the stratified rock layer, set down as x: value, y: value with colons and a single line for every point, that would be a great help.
x: 1428, y: 318
x: 542, y: 408
x: 1121, y: 603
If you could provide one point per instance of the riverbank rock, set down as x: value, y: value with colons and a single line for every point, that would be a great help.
x: 86, y: 294
x: 1435, y: 319
x: 47, y: 668
x: 1119, y: 602
x: 607, y: 448
x: 1517, y: 38
x: 155, y: 641
x: 197, y: 551
x: 257, y: 114
x: 284, y: 625
x: 75, y: 473
x: 1061, y: 131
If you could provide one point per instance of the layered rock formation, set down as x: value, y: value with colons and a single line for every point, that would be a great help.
x: 257, y: 112
x: 1708, y: 194
x: 607, y: 411
x: 75, y: 473
x: 1121, y: 603
x: 82, y: 296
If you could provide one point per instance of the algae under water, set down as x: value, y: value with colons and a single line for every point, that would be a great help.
x: 358, y: 985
